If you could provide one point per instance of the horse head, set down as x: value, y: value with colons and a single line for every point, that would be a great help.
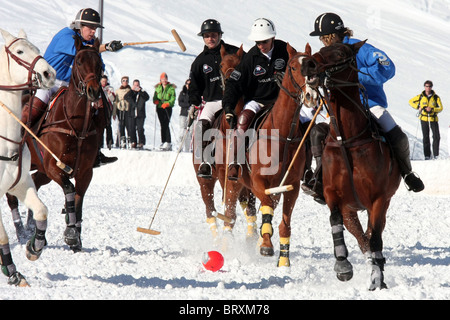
x: 229, y: 62
x: 24, y: 66
x: 87, y: 70
x: 295, y: 81
x: 332, y: 64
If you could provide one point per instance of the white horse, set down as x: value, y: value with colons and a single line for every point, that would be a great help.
x: 21, y: 68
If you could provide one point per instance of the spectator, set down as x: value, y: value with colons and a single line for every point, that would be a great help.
x: 429, y: 105
x: 164, y: 99
x: 137, y: 98
x: 183, y: 102
x: 110, y: 96
x: 121, y: 107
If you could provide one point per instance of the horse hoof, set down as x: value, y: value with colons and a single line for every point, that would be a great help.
x: 343, y: 269
x: 18, y: 280
x: 345, y: 276
x: 266, y: 251
x: 71, y: 236
x: 32, y: 254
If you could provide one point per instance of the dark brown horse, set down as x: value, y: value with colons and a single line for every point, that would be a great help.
x: 271, y: 152
x: 234, y: 191
x: 359, y: 172
x: 71, y: 130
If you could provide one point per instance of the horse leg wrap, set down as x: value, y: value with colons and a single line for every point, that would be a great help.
x: 8, y: 266
x: 340, y: 249
x: 212, y: 223
x: 337, y: 230
x: 377, y: 276
x: 251, y: 225
x: 39, y: 235
x: 283, y: 260
x: 267, y: 215
x: 70, y: 209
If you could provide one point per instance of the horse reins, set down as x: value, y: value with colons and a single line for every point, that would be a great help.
x: 330, y: 83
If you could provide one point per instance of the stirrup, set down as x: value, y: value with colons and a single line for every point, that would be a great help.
x: 204, y: 173
x: 236, y: 166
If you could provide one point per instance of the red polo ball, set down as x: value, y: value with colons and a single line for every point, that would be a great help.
x: 212, y: 261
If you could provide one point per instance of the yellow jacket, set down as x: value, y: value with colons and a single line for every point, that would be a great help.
x: 422, y: 101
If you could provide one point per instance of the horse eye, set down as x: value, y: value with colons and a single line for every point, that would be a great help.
x: 19, y: 52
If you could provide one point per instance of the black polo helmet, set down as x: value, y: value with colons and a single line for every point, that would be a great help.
x: 327, y: 23
x: 210, y: 25
x: 87, y: 17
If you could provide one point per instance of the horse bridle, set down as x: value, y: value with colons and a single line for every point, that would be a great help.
x: 298, y: 95
x: 29, y: 66
x: 82, y: 81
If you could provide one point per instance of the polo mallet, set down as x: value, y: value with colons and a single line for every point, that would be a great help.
x: 216, y: 214
x: 417, y: 130
x: 282, y: 188
x: 59, y: 163
x: 175, y: 35
x: 149, y: 230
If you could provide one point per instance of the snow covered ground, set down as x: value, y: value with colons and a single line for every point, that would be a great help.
x: 120, y: 263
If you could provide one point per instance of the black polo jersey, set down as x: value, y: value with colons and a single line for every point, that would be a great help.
x: 205, y: 76
x: 254, y: 78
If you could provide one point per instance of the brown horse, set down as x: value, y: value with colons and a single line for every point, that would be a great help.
x: 70, y: 129
x: 359, y: 172
x: 234, y: 190
x: 277, y: 140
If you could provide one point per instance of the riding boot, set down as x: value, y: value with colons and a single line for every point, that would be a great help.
x: 400, y: 146
x: 204, y: 170
x: 38, y: 108
x: 314, y: 186
x: 101, y: 159
x: 244, y: 121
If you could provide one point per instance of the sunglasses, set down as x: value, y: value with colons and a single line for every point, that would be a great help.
x: 262, y: 42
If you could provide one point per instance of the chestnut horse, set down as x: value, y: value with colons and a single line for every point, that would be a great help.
x: 277, y: 140
x: 233, y: 190
x: 70, y: 130
x: 359, y: 172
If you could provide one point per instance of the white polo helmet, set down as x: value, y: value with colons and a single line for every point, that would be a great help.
x: 262, y: 29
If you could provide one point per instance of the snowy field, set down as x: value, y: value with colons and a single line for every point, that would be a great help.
x: 119, y: 263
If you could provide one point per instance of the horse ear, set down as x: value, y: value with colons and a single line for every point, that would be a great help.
x: 97, y: 44
x: 223, y: 52
x: 7, y: 36
x: 308, y: 49
x: 290, y: 50
x: 357, y: 46
x: 78, y: 43
x: 22, y: 34
x: 240, y: 52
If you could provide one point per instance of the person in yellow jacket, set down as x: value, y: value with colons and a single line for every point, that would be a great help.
x: 429, y: 105
x: 164, y: 99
